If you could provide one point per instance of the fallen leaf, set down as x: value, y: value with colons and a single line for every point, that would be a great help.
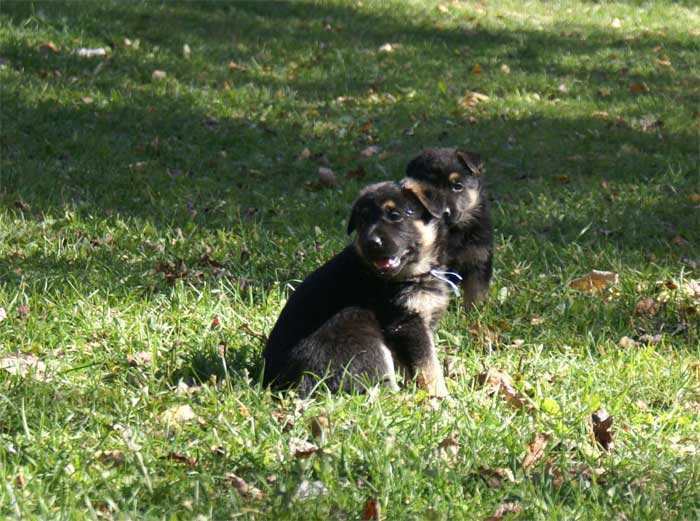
x: 501, y: 383
x: 48, y: 46
x: 308, y: 489
x: 302, y: 448
x: 504, y: 509
x: 450, y: 446
x: 87, y: 100
x: 650, y: 339
x: 370, y: 151
x: 139, y: 359
x: 638, y: 88
x: 372, y: 510
x: 505, y: 69
x: 319, y: 426
x: 19, y: 481
x: 600, y: 114
x: 243, y: 488
x: 22, y: 310
x: 3, y: 314
x: 602, y: 423
x: 305, y: 154
x: 679, y: 241
x: 563, y: 178
x: 22, y: 364
x: 186, y: 51
x: 159, y: 75
x: 233, y: 66
x: 692, y: 288
x: 471, y: 99
x: 496, y: 476
x: 181, y: 458
x: 594, y: 281
x: 694, y: 198
x: 356, y: 173
x: 627, y: 342
x: 646, y: 306
x: 389, y: 47
x: 476, y: 69
x: 91, y: 53
x: 179, y: 414
x: 535, y: 449
x: 664, y: 60
x: 112, y: 456
x: 252, y: 332
x: 327, y: 177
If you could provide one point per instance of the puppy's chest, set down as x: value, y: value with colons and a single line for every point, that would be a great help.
x: 428, y: 302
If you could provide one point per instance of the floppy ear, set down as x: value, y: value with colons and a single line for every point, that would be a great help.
x: 431, y: 199
x: 471, y: 160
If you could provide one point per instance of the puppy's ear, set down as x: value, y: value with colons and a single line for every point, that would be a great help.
x: 431, y: 199
x: 471, y: 160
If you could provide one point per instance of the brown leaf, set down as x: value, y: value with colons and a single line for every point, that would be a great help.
x: 476, y: 69
x: 650, y: 339
x: 302, y: 448
x: 215, y: 323
x: 181, y: 458
x: 243, y: 488
x: 319, y: 426
x: 19, y: 481
x: 535, y: 449
x: 501, y: 383
x: 49, y: 46
x: 372, y: 510
x: 664, y: 60
x: 112, y: 456
x: 646, y: 306
x: 326, y: 177
x: 252, y: 332
x: 450, y: 446
x: 602, y: 423
x: 22, y: 310
x: 627, y: 342
x: 496, y: 476
x: 594, y: 281
x: 694, y: 198
x: 471, y: 99
x: 679, y: 240
x: 638, y: 88
x: 356, y: 173
x: 139, y: 359
x: 371, y: 151
x: 159, y: 75
x: 87, y: 100
x: 505, y: 69
x: 233, y: 66
x: 503, y: 510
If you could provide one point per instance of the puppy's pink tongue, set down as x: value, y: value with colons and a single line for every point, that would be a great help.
x: 385, y: 262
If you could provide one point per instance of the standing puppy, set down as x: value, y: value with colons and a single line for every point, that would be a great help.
x: 448, y: 183
x: 371, y: 306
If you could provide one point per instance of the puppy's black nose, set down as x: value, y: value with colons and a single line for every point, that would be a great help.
x: 447, y: 213
x: 375, y: 241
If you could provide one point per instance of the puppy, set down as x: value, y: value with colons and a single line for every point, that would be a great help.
x: 371, y: 307
x: 448, y: 183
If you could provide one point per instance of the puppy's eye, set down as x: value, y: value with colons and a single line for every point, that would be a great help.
x: 457, y: 187
x: 394, y: 216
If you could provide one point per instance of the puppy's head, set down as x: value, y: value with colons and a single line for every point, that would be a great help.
x: 447, y: 181
x: 396, y: 237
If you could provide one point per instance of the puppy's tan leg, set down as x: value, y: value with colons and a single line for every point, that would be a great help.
x: 429, y: 376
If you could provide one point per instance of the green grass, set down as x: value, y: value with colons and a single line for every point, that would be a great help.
x: 133, y: 211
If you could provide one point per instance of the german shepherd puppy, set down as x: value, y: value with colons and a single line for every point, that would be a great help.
x: 448, y: 183
x: 371, y: 306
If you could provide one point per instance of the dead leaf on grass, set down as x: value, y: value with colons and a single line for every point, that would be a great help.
x: 24, y: 364
x: 496, y: 476
x: 627, y: 342
x: 472, y: 99
x: 3, y: 314
x: 372, y: 510
x: 501, y: 383
x: 49, y: 46
x: 243, y: 488
x: 22, y: 310
x: 646, y: 306
x: 450, y: 446
x: 326, y: 177
x: 111, y: 456
x: 159, y: 75
x: 179, y: 414
x: 505, y: 69
x: 638, y: 88
x: 302, y: 448
x: 594, y: 281
x: 602, y: 424
x: 476, y: 69
x: 679, y: 444
x: 371, y: 151
x: 503, y: 510
x: 139, y: 359
x: 319, y: 426
x: 535, y: 449
x: 181, y: 458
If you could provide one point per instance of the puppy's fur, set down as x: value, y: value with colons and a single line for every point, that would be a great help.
x: 448, y: 181
x: 370, y: 307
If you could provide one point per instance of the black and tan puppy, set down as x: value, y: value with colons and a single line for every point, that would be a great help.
x: 370, y: 308
x: 448, y: 182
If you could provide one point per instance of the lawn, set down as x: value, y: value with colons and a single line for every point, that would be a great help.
x: 159, y: 200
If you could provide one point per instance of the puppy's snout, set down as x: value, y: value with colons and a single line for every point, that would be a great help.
x: 374, y: 241
x: 447, y: 213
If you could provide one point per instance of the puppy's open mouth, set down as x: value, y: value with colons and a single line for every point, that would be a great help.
x: 389, y: 263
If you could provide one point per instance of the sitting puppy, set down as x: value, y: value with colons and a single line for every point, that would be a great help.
x: 448, y: 183
x: 373, y: 304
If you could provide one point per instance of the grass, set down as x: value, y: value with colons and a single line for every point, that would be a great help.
x: 167, y: 219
